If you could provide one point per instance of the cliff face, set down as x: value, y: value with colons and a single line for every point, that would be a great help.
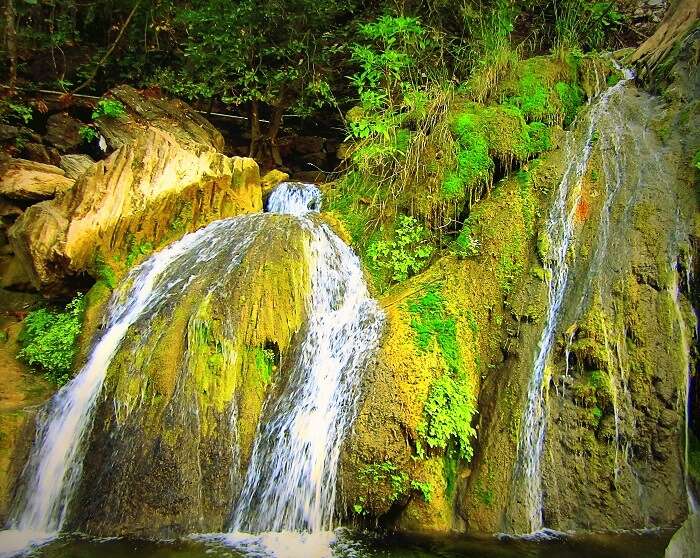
x: 615, y: 379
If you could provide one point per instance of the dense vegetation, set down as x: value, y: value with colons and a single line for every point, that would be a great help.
x: 265, y: 58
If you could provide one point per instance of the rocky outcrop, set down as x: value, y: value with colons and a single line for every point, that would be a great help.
x: 166, y: 179
x: 167, y: 115
x: 75, y: 165
x: 29, y: 181
x: 685, y: 543
x: 183, y: 396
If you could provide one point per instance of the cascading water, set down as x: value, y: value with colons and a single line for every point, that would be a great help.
x: 294, y: 198
x: 291, y: 479
x: 53, y: 470
x: 560, y: 228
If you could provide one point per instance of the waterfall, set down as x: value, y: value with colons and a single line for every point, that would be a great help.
x: 294, y: 198
x: 291, y: 479
x: 560, y: 229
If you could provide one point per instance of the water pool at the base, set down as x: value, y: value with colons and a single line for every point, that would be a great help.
x: 352, y: 545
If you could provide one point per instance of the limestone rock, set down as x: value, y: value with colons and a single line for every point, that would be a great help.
x: 75, y: 165
x: 169, y: 393
x: 685, y: 543
x: 24, y: 180
x: 171, y: 116
x: 155, y: 189
x: 271, y: 180
x: 62, y: 131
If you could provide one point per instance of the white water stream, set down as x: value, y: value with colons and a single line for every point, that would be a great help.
x: 561, y: 225
x: 291, y: 479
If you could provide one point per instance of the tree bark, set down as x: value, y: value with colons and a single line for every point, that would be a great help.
x: 273, y: 132
x: 679, y: 19
x: 254, y: 121
x: 11, y: 41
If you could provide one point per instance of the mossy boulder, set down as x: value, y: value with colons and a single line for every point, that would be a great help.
x: 183, y: 396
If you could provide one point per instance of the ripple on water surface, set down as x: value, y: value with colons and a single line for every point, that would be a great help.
x: 344, y: 544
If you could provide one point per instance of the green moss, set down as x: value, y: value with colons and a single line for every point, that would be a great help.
x: 406, y: 254
x: 391, y: 482
x: 265, y: 364
x: 570, y: 98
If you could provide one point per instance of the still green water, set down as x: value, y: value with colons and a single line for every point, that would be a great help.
x: 350, y: 545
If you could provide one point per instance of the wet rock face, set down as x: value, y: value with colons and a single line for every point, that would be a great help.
x: 184, y: 394
x: 165, y: 180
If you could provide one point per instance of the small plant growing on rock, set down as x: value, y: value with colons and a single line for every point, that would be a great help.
x: 87, y: 133
x: 110, y: 108
x: 49, y: 337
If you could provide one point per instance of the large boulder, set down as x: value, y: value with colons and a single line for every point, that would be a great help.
x: 75, y: 165
x: 167, y: 178
x: 176, y: 421
x: 685, y: 543
x: 169, y: 115
x: 29, y: 181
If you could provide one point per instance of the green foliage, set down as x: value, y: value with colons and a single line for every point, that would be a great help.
x: 571, y: 98
x: 451, y: 404
x: 425, y: 488
x: 15, y: 112
x: 449, y: 471
x: 406, y: 254
x: 448, y: 413
x: 108, y: 108
x: 586, y: 23
x: 88, y: 134
x: 48, y: 339
x: 696, y: 160
x: 135, y: 250
x: 474, y: 164
x: 466, y: 245
x: 398, y: 482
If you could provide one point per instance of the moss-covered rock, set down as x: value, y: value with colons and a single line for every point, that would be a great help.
x: 183, y: 396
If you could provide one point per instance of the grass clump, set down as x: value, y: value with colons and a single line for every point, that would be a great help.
x: 49, y: 340
x: 451, y: 404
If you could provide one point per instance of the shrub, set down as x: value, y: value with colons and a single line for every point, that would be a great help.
x: 406, y: 254
x: 451, y: 404
x: 48, y: 340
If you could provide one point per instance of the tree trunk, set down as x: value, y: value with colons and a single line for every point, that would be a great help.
x: 680, y: 18
x: 273, y: 132
x: 254, y: 122
x: 11, y: 41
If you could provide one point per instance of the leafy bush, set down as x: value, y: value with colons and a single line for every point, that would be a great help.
x: 14, y: 113
x: 48, y: 340
x: 109, y: 108
x: 408, y: 252
x: 398, y: 482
